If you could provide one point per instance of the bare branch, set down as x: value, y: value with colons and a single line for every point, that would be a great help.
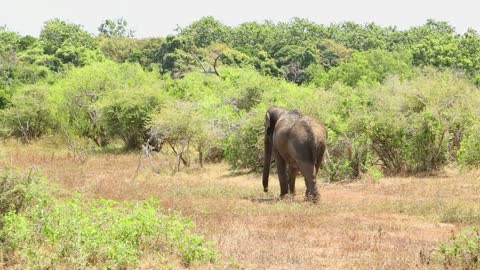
x: 205, y: 70
x: 215, y: 65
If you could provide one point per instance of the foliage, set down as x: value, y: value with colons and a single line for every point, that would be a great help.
x: 463, y: 251
x: 181, y: 125
x: 205, y: 32
x: 126, y: 114
x: 29, y: 114
x: 371, y: 67
x: 82, y: 233
x: 469, y: 152
x: 57, y: 33
x: 80, y: 94
x: 294, y: 60
x: 355, y: 78
x: 122, y: 50
x: 333, y: 53
x: 174, y: 56
x: 244, y: 147
x: 19, y: 191
x: 115, y: 28
x: 431, y: 111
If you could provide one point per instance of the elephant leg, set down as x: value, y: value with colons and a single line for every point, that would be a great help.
x: 292, y: 175
x: 282, y: 173
x: 309, y: 172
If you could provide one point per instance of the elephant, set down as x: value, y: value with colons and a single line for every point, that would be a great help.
x: 298, y: 143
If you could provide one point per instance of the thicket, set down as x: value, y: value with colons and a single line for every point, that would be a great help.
x: 393, y: 101
x: 39, y: 231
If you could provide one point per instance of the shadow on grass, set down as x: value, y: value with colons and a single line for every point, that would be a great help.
x: 236, y: 173
x: 264, y: 200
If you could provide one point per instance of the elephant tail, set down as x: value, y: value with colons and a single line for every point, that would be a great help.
x: 318, y: 154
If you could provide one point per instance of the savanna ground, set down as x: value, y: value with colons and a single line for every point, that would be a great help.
x: 391, y: 223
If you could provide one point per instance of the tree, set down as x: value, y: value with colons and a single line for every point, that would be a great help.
x: 14, y: 71
x: 56, y: 33
x: 205, y: 31
x: 332, y: 53
x: 371, y: 67
x: 119, y: 49
x: 437, y: 50
x: 361, y: 37
x: 174, y: 56
x: 254, y: 37
x: 181, y: 125
x: 216, y: 54
x: 294, y: 59
x: 265, y: 64
x: 470, y: 54
x: 9, y: 42
x: 115, y: 28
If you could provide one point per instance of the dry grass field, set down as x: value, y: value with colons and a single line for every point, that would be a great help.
x: 392, y: 223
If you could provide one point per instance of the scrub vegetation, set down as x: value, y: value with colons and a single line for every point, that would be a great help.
x: 113, y: 147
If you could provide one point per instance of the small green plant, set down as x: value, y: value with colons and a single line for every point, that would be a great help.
x: 19, y: 191
x: 463, y: 251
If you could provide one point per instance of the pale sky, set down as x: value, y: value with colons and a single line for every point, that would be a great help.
x: 149, y: 18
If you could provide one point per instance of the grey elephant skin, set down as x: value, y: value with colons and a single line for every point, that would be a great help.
x: 298, y: 143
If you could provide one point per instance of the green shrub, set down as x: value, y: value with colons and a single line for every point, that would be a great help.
x: 463, y: 251
x: 192, y: 248
x: 431, y: 113
x: 469, y: 152
x: 183, y: 126
x: 127, y: 113
x: 29, y: 114
x: 19, y: 191
x: 83, y: 233
x: 13, y: 190
x: 79, y: 96
x: 15, y: 232
x: 244, y: 147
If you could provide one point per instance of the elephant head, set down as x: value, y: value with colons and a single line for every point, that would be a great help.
x: 270, y: 120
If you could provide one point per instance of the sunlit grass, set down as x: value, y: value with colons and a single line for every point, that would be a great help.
x: 365, y: 224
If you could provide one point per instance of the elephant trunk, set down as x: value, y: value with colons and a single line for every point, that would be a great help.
x: 267, y: 158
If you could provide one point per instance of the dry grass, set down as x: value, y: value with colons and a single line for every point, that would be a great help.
x: 394, y: 223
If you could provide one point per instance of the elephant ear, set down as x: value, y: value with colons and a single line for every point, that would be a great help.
x: 267, y: 121
x: 269, y: 124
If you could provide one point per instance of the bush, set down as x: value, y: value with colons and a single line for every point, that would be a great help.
x: 182, y: 125
x: 463, y: 251
x: 29, y: 115
x: 469, y: 152
x: 81, y: 233
x: 127, y: 113
x: 19, y: 191
x: 244, y: 148
x: 348, y: 145
x: 78, y: 96
x: 431, y: 113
